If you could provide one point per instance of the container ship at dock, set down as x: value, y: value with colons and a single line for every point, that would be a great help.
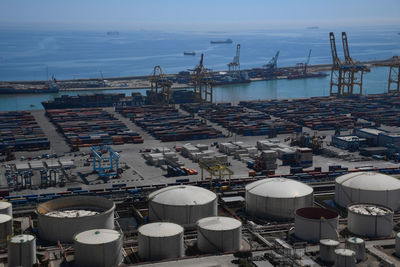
x: 9, y: 88
x: 113, y: 100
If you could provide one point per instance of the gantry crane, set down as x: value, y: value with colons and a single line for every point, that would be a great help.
x: 336, y: 72
x: 202, y: 83
x: 303, y: 66
x: 394, y: 74
x: 272, y: 64
x: 235, y: 64
x: 347, y: 76
x: 216, y: 170
x: 307, y: 62
x: 160, y: 87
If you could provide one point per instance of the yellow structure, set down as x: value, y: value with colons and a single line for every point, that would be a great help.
x: 216, y: 170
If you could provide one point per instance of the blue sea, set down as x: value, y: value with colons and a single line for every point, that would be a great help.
x: 37, y: 55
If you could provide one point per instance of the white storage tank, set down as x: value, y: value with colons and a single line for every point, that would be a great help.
x: 345, y: 258
x: 368, y: 187
x: 369, y: 220
x: 98, y: 247
x: 327, y: 249
x: 358, y: 246
x: 5, y: 208
x: 22, y: 250
x: 160, y: 240
x: 182, y: 204
x: 313, y: 224
x: 398, y: 244
x: 61, y: 219
x: 5, y: 228
x: 219, y: 234
x: 277, y: 198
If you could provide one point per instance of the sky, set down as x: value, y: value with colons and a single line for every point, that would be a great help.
x: 192, y: 15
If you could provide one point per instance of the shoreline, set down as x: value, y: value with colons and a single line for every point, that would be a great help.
x: 143, y: 83
x: 316, y: 67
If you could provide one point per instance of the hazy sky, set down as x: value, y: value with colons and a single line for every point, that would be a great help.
x: 200, y: 14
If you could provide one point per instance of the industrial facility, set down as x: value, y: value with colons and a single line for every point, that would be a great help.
x: 173, y: 179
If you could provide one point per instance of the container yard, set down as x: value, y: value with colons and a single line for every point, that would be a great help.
x: 168, y: 124
x: 20, y: 132
x: 86, y: 127
x: 239, y: 120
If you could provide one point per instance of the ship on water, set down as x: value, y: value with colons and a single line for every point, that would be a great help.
x: 189, y: 53
x: 11, y: 88
x: 227, y: 41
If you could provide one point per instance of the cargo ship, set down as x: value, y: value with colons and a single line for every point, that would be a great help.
x: 307, y: 75
x: 227, y: 41
x: 93, y: 100
x: 16, y: 89
x: 189, y: 53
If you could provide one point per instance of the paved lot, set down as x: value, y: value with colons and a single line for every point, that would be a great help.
x: 138, y: 172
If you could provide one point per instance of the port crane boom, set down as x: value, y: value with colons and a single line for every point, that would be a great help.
x: 394, y: 74
x: 307, y: 62
x: 160, y: 92
x: 346, y: 76
x: 202, y: 83
x: 235, y: 64
x: 272, y: 64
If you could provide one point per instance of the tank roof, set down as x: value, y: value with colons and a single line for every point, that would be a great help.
x: 369, y: 181
x: 279, y: 188
x: 92, y: 203
x: 182, y: 195
x: 315, y: 213
x: 344, y: 252
x: 355, y: 240
x: 5, y: 204
x: 71, y: 213
x: 5, y: 218
x: 219, y: 223
x: 369, y: 209
x: 160, y: 229
x: 21, y: 239
x: 329, y: 242
x: 97, y: 236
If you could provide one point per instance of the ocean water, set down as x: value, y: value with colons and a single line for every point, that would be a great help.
x: 37, y: 55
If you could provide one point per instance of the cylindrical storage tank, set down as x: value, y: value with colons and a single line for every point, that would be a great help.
x: 182, y: 204
x: 98, y: 248
x: 277, y: 198
x: 369, y: 220
x: 368, y: 187
x: 219, y: 234
x: 327, y: 249
x: 5, y: 228
x: 160, y: 240
x: 358, y: 246
x: 345, y: 258
x: 5, y: 208
x: 61, y: 219
x: 22, y: 250
x: 313, y: 224
x: 398, y: 244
